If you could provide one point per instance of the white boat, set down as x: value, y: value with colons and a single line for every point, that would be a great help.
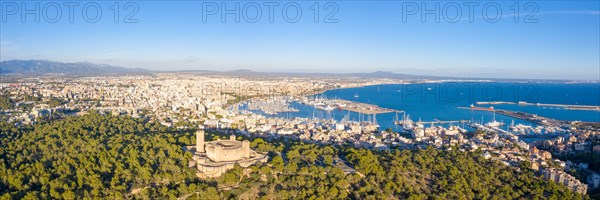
x: 319, y: 104
x: 326, y: 108
x: 420, y: 124
x: 493, y: 124
x: 538, y: 129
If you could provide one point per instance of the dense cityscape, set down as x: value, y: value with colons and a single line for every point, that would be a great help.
x: 184, y: 102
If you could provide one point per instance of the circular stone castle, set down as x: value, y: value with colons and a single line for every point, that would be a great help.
x: 214, y: 158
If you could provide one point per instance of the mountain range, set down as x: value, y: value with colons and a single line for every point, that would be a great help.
x: 45, y: 67
x: 41, y: 67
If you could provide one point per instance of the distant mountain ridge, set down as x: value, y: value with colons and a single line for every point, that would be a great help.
x: 40, y: 67
x: 250, y: 73
x: 45, y: 67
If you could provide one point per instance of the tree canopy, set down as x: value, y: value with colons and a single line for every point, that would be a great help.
x: 97, y: 156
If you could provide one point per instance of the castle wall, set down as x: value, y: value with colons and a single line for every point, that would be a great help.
x: 221, y: 154
x: 216, y: 169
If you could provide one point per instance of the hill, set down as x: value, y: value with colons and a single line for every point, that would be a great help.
x: 97, y: 156
x: 41, y: 67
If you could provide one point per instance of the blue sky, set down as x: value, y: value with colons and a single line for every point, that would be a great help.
x: 561, y: 40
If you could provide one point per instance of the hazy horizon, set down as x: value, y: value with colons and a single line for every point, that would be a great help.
x: 559, y: 40
x: 312, y: 72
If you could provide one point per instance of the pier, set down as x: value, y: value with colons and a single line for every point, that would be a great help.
x: 565, y: 106
x: 402, y: 122
x: 534, y: 118
x: 536, y: 136
x: 529, y: 117
x: 544, y: 120
x: 477, y: 108
x: 362, y: 108
x: 434, y: 122
x: 449, y: 122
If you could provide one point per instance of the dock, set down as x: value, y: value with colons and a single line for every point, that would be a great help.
x: 447, y: 122
x: 565, y: 106
x: 477, y: 108
x: 518, y: 115
x: 529, y: 117
x: 537, y: 119
x: 363, y: 108
x: 544, y: 120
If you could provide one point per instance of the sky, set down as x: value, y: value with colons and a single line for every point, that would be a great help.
x: 494, y: 39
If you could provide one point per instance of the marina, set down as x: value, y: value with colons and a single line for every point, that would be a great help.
x: 370, y: 109
x: 272, y: 105
x: 528, y: 116
x: 347, y: 108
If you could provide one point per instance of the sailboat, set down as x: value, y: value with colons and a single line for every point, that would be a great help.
x: 407, y: 123
x: 397, y: 120
x: 420, y: 123
x: 494, y: 123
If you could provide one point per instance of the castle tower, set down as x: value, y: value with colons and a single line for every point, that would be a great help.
x: 200, y: 141
x: 246, y: 149
x: 232, y: 137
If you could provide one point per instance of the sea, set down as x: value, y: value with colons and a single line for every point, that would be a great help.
x: 442, y: 101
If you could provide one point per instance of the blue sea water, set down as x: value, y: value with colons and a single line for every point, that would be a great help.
x: 439, y: 101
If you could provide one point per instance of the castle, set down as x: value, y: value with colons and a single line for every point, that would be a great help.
x: 214, y: 158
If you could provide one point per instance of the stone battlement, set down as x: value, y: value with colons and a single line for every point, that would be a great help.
x: 216, y: 157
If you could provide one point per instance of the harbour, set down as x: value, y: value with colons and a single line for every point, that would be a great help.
x: 347, y: 107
